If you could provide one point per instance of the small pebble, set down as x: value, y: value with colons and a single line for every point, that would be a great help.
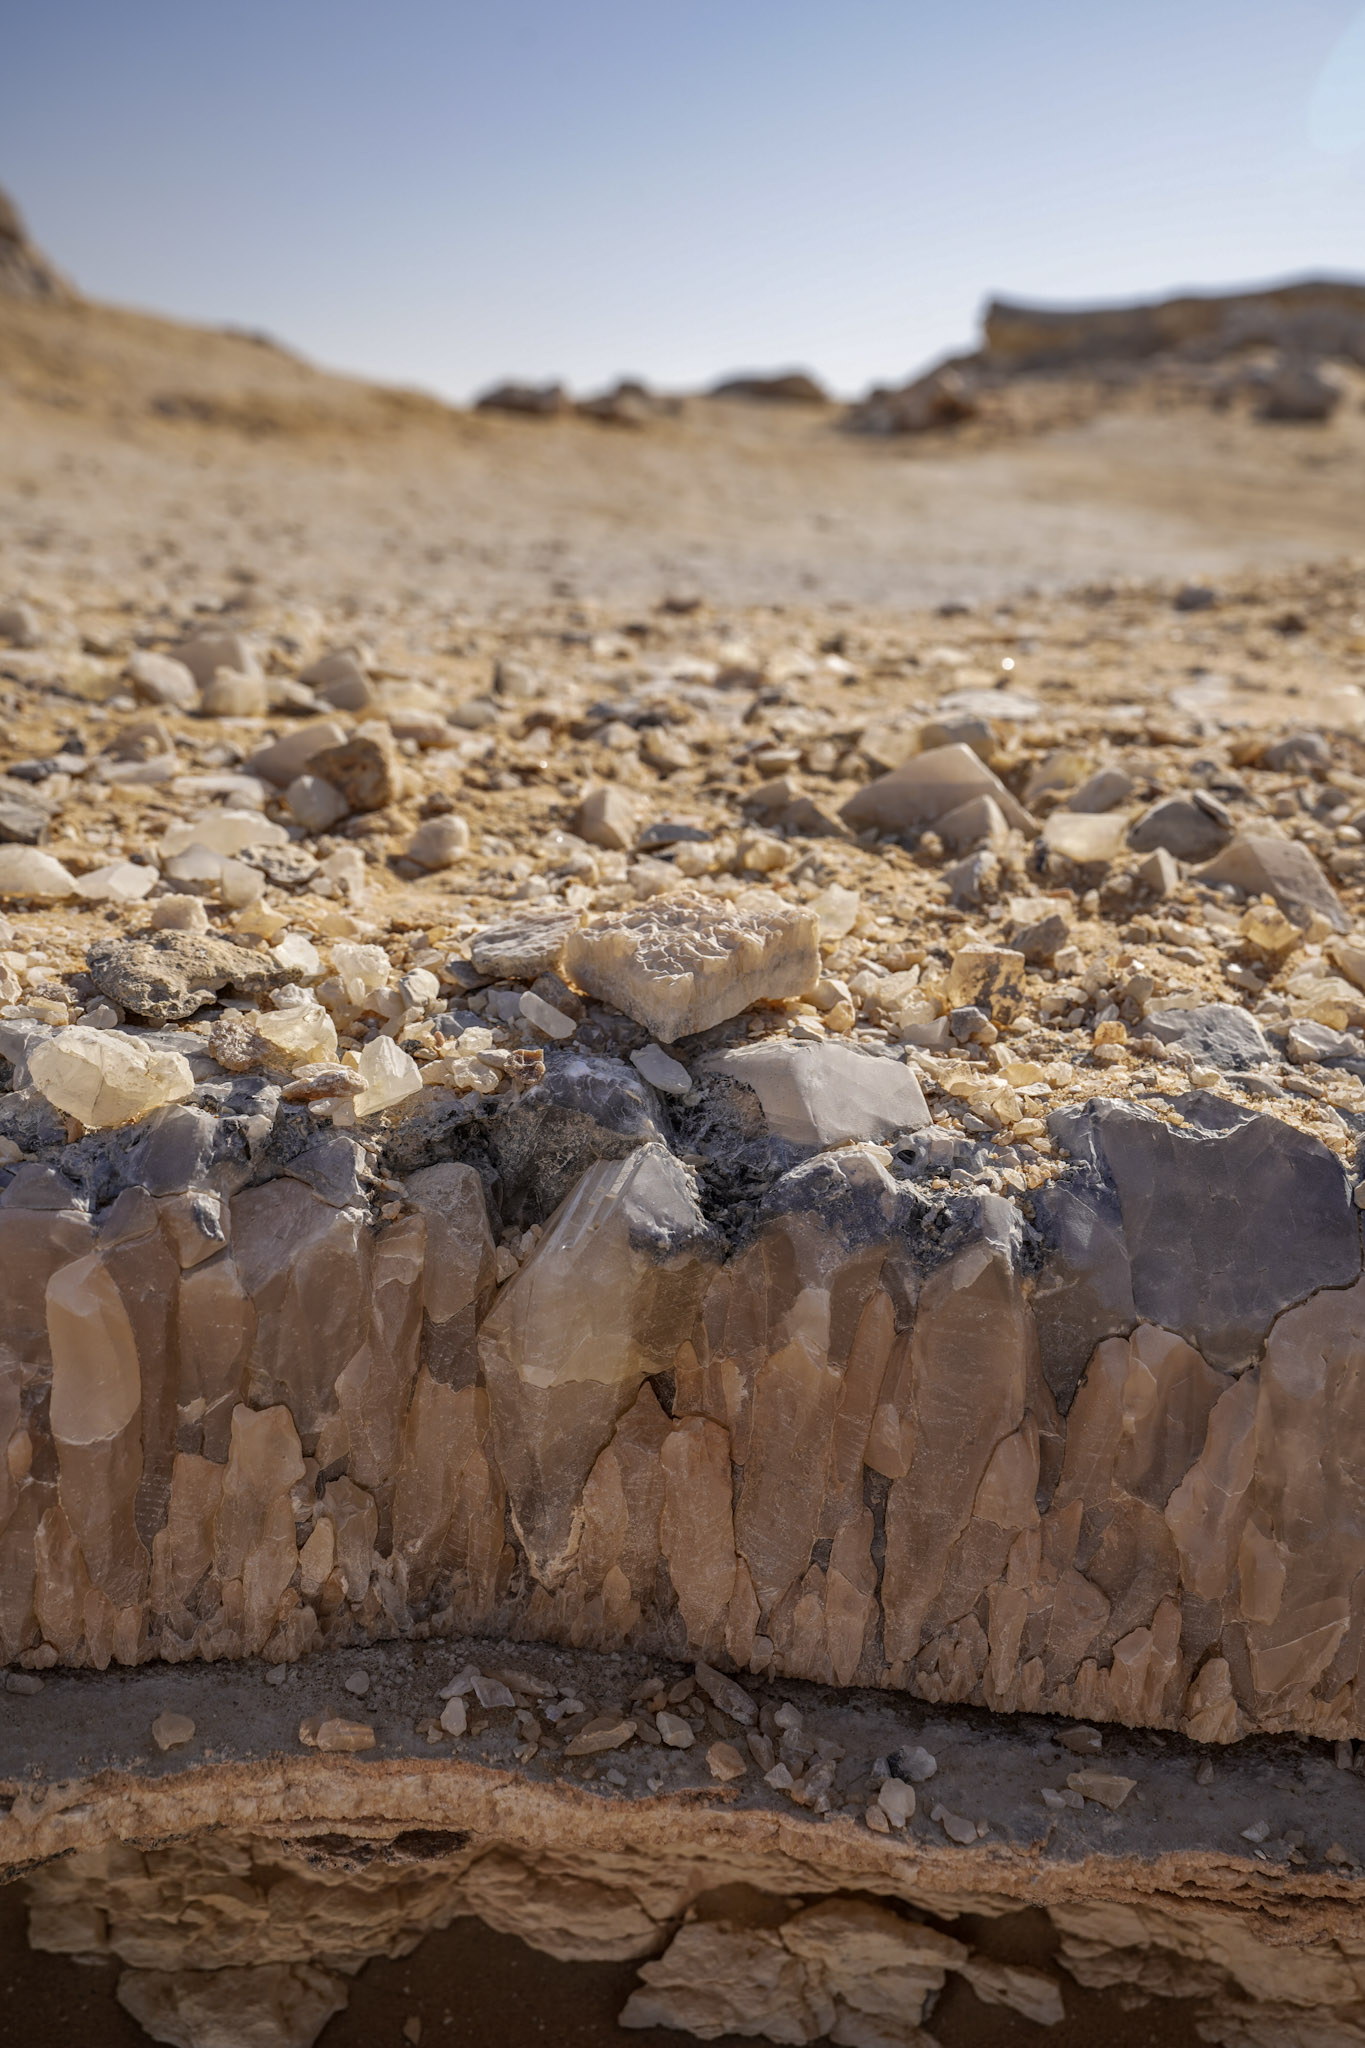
x: 676, y: 1732
x: 172, y: 1731
x: 896, y: 1800
x: 724, y: 1761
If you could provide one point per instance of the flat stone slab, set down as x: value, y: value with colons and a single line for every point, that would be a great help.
x: 823, y: 1095
x: 1218, y: 1034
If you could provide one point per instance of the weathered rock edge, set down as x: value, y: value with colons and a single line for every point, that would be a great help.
x: 246, y: 1848
x: 1096, y: 1452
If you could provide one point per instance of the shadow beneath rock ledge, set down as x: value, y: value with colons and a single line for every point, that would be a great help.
x: 471, y: 1988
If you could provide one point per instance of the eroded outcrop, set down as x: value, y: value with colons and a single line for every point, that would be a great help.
x: 265, y: 1389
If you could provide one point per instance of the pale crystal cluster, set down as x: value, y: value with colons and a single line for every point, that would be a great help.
x: 107, y: 1077
x: 1055, y: 1466
x: 685, y: 962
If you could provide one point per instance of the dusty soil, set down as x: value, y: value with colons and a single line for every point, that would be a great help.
x: 141, y: 444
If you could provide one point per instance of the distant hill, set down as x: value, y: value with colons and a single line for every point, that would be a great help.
x: 1043, y: 366
x: 25, y: 273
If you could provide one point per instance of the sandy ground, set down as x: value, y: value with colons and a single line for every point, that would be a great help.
x: 137, y: 443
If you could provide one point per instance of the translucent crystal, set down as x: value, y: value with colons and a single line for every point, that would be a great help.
x: 122, y: 881
x: 299, y: 955
x: 107, y: 1077
x: 223, y: 832
x: 303, y: 1033
x: 360, y: 968
x: 390, y: 1075
x: 24, y: 871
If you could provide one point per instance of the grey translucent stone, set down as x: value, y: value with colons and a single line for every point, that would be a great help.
x: 1227, y: 1222
x: 1218, y: 1034
x: 820, y: 1095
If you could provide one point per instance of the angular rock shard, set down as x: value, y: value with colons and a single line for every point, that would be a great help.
x: 816, y: 1096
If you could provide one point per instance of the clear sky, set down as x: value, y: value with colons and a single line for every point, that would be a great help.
x: 443, y: 193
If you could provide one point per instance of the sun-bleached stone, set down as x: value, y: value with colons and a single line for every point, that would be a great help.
x: 104, y: 1078
x: 439, y: 842
x: 822, y: 1095
x: 25, y: 871
x: 684, y: 962
x: 928, y: 787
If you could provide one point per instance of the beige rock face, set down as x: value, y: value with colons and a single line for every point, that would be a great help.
x: 684, y: 963
x: 275, y: 2005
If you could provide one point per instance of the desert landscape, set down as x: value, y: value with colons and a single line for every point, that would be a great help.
x: 680, y: 1191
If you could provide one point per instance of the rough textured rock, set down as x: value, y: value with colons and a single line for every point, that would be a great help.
x: 271, y: 2005
x: 523, y: 947
x: 1283, y: 868
x: 365, y: 770
x: 687, y: 962
x: 1215, y: 1034
x: 22, y: 821
x: 25, y: 273
x: 173, y: 974
x: 1189, y: 827
x: 778, y: 1901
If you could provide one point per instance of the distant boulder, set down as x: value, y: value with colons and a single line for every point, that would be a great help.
x: 943, y: 398
x: 787, y: 387
x: 627, y: 403
x: 1298, y: 391
x: 25, y: 272
x: 1310, y: 317
x: 530, y: 401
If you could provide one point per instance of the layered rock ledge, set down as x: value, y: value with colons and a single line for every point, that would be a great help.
x: 165, y: 1817
x: 571, y: 1185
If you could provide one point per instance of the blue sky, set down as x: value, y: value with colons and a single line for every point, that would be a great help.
x: 444, y: 194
